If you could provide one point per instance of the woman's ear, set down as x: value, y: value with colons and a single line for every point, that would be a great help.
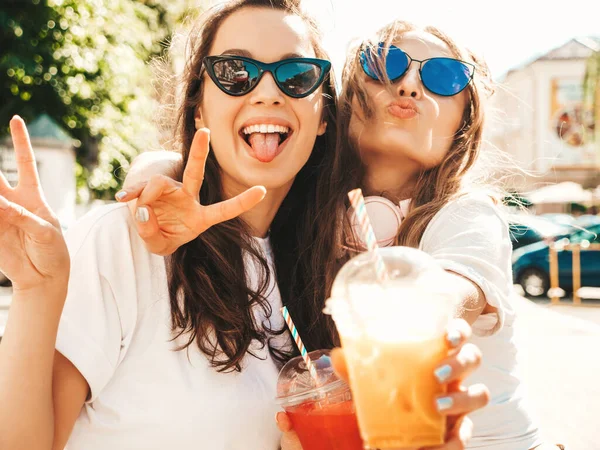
x: 198, y: 122
x: 322, y: 128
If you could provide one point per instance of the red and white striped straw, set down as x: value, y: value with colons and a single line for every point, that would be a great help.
x: 358, y: 203
x: 299, y: 344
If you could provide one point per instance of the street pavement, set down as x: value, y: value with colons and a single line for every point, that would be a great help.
x: 560, y: 357
x: 559, y: 352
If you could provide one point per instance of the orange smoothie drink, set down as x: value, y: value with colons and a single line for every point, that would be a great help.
x: 393, y: 336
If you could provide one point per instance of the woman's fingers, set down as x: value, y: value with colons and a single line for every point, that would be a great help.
x: 146, y: 222
x: 458, y: 332
x: 289, y: 440
x: 193, y: 175
x: 458, y: 402
x: 28, y: 175
x: 463, y: 430
x: 149, y: 230
x: 463, y: 401
x: 458, y: 437
x: 131, y: 192
x: 229, y: 209
x: 17, y: 216
x: 283, y: 422
x: 158, y: 186
x: 338, y: 360
x: 459, y: 365
x: 4, y: 185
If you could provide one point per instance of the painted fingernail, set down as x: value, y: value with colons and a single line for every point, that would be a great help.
x: 466, y: 356
x: 121, y: 195
x: 277, y: 417
x: 454, y: 338
x: 141, y: 214
x: 3, y: 203
x: 443, y: 373
x: 444, y: 403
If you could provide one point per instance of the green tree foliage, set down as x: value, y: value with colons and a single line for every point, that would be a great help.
x: 85, y: 63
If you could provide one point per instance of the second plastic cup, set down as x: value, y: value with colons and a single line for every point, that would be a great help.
x: 321, y: 411
x: 393, y: 336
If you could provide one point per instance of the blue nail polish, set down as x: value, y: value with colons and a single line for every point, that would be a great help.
x: 120, y: 195
x: 444, y: 403
x: 454, y: 338
x: 443, y: 373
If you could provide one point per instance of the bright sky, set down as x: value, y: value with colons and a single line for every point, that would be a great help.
x: 507, y: 33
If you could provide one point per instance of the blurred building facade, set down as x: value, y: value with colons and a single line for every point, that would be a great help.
x: 538, y: 117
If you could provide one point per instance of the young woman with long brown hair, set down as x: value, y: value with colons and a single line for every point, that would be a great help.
x: 411, y: 120
x: 178, y: 355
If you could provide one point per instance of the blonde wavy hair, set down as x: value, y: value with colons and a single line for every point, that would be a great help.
x: 436, y: 186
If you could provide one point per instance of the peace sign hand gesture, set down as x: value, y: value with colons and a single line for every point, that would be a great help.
x: 32, y: 249
x: 169, y: 213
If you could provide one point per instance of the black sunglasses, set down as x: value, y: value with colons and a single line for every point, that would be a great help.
x: 442, y: 76
x: 238, y: 75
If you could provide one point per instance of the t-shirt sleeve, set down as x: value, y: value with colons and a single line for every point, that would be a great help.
x: 94, y: 321
x: 470, y: 237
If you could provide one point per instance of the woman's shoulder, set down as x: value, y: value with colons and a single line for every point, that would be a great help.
x: 472, y: 206
x: 470, y: 213
x: 104, y: 244
x: 103, y: 228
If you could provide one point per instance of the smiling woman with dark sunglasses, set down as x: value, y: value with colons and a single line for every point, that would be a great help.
x: 140, y: 352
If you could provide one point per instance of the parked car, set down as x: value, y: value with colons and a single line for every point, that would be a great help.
x: 525, y: 230
x: 531, y: 263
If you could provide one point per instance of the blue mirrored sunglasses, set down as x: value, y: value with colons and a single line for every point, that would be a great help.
x: 441, y: 76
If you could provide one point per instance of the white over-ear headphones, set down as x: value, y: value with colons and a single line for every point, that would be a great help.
x: 385, y: 217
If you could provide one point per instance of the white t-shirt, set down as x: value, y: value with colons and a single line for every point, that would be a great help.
x: 470, y: 236
x: 116, y: 330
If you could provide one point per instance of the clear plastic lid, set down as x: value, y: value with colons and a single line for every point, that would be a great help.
x: 295, y: 385
x: 404, y: 264
x: 414, y: 304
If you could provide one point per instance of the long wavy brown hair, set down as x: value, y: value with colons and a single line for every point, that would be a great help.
x: 211, y: 302
x: 434, y: 187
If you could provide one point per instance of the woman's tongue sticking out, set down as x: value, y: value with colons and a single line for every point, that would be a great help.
x: 265, y: 145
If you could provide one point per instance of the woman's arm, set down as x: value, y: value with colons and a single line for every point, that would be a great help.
x: 26, y: 359
x: 42, y: 392
x: 69, y: 391
x: 472, y: 300
x: 34, y: 256
x: 470, y: 239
